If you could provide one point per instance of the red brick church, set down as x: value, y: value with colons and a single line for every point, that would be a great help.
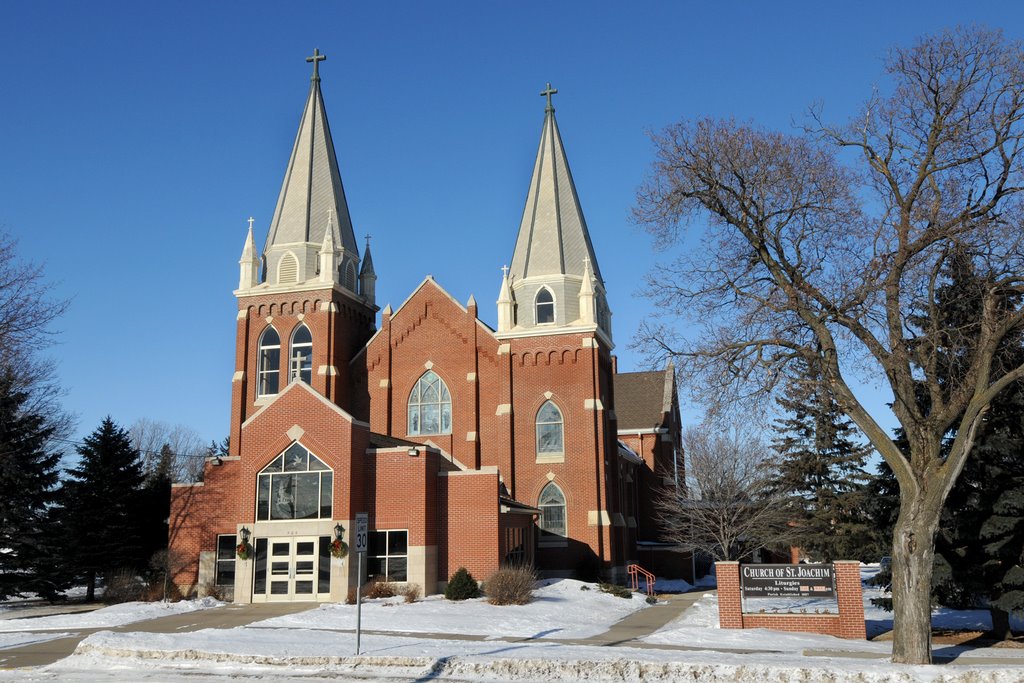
x: 465, y: 445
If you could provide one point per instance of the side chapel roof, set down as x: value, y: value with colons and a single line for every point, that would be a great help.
x: 643, y: 400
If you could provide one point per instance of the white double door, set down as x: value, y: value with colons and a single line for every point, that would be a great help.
x: 292, y: 568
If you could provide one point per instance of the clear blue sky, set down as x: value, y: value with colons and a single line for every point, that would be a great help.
x: 136, y: 138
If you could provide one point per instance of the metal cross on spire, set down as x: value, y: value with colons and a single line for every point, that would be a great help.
x: 367, y: 240
x: 504, y: 272
x: 316, y: 59
x: 251, y: 219
x: 548, y: 92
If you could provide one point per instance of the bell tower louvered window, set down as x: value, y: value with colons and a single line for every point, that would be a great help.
x: 287, y: 270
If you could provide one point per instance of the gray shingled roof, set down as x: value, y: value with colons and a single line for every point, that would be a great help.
x: 642, y: 399
x: 385, y: 441
x: 553, y: 237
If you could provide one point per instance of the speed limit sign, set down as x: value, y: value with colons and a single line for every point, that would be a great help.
x: 361, y: 531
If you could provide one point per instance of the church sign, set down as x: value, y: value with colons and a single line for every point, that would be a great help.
x: 787, y: 580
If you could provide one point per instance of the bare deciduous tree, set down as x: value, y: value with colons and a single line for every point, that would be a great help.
x: 818, y: 254
x: 27, y: 312
x: 150, y: 436
x: 728, y: 511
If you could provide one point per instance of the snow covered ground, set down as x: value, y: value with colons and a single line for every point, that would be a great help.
x: 561, y: 609
x: 503, y: 644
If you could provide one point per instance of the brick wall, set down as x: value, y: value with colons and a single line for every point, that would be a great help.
x: 469, y: 533
x: 849, y: 623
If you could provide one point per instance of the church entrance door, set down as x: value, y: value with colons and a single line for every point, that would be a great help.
x: 292, y: 568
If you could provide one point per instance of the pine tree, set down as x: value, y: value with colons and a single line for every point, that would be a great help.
x: 821, y: 471
x: 28, y: 479
x: 979, y: 549
x: 155, y: 503
x: 101, y: 500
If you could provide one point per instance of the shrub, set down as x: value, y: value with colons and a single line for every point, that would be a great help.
x: 381, y: 589
x: 123, y: 586
x: 510, y: 586
x: 461, y: 586
x: 410, y: 591
x: 617, y: 591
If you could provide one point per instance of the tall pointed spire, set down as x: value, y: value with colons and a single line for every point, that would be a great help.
x: 312, y: 198
x: 553, y: 237
x: 554, y: 273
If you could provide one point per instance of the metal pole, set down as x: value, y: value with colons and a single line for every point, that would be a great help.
x: 359, y: 600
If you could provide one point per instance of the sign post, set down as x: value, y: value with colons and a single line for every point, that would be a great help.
x: 361, y: 533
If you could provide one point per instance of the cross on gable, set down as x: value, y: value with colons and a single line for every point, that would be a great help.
x: 316, y: 59
x: 548, y: 92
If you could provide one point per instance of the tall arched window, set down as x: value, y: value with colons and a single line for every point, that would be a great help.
x: 300, y: 362
x: 549, y: 430
x: 269, y: 371
x: 545, y: 305
x: 296, y: 485
x: 430, y: 406
x: 552, y: 511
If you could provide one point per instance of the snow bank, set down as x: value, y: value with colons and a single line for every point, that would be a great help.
x: 262, y: 653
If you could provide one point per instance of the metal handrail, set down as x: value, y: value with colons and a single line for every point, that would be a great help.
x: 634, y: 571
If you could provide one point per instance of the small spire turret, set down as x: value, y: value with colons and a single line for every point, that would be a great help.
x: 506, y: 305
x: 249, y: 264
x: 367, y: 276
x: 329, y: 254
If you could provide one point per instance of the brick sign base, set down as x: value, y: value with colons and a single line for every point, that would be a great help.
x: 849, y: 623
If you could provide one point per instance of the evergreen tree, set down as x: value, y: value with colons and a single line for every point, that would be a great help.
x: 155, y: 503
x: 821, y: 471
x: 101, y: 500
x: 28, y: 479
x: 979, y: 548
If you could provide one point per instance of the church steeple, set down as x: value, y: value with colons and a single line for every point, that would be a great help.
x: 554, y: 259
x: 311, y: 202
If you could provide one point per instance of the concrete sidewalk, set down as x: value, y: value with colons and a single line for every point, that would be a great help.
x: 229, y: 616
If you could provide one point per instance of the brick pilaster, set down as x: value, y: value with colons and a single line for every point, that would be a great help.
x: 730, y: 604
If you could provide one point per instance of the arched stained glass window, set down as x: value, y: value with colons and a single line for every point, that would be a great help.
x: 552, y: 511
x: 269, y: 371
x: 295, y: 485
x: 301, y: 360
x: 430, y: 406
x: 545, y: 303
x: 549, y: 430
